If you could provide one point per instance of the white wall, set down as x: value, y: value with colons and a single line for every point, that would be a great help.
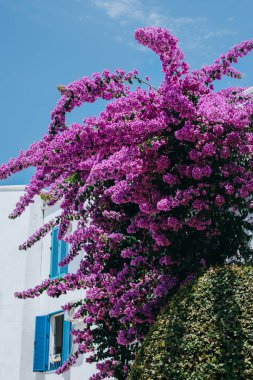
x: 82, y: 370
x: 31, y: 306
x: 13, y: 278
x: 21, y: 270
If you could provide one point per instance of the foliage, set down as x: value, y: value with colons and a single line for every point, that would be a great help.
x: 205, y: 331
x: 160, y: 183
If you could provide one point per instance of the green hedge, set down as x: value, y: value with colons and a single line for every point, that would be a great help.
x: 205, y: 332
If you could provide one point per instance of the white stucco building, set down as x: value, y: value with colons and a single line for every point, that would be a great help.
x: 22, y: 270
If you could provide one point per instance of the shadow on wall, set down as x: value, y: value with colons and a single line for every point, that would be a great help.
x: 52, y: 376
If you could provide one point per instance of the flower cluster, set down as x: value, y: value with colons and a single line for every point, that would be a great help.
x: 40, y: 233
x: 160, y: 183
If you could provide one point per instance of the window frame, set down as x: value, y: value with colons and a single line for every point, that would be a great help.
x: 56, y: 248
x: 52, y: 317
x: 47, y: 342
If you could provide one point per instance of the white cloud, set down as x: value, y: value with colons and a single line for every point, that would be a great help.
x: 184, y: 20
x: 149, y: 13
x: 138, y: 10
x: 157, y: 19
x: 219, y: 33
x: 120, y: 9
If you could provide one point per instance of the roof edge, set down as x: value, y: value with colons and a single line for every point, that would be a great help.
x: 13, y: 188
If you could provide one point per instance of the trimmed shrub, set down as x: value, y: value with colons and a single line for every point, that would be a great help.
x: 205, y: 332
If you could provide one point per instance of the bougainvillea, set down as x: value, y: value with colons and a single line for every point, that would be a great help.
x: 160, y: 184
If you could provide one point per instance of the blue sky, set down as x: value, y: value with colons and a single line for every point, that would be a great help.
x: 49, y: 42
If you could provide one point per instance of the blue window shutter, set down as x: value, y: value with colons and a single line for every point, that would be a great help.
x: 41, y: 344
x: 63, y: 250
x: 66, y: 340
x: 54, y: 253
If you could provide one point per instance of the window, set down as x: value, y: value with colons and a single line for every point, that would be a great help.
x: 52, y: 342
x: 59, y: 250
x: 56, y: 340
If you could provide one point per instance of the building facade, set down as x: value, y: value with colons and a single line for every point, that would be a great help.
x: 35, y: 333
